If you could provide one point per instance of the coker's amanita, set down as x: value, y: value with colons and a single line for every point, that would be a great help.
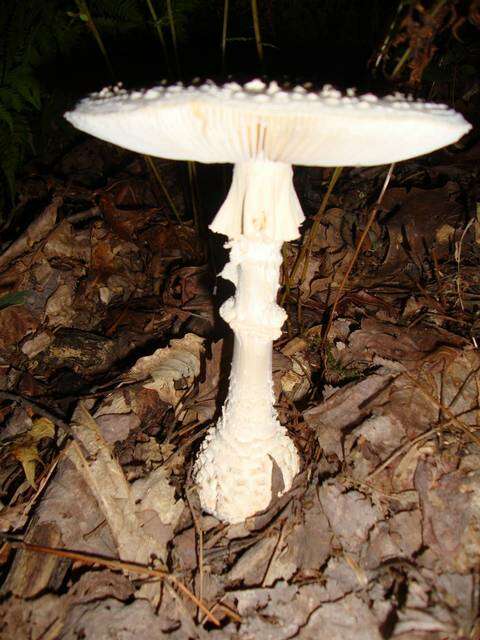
x: 262, y: 129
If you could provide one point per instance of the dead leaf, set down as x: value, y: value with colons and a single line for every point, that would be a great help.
x: 25, y: 450
x: 42, y: 428
x: 15, y: 324
x: 344, y: 408
x: 450, y: 514
x: 59, y: 310
x: 171, y: 367
x: 420, y: 219
x: 28, y: 456
x: 106, y: 480
x: 37, y: 230
x: 203, y: 405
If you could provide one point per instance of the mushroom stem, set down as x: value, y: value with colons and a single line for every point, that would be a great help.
x: 261, y: 200
x: 235, y: 464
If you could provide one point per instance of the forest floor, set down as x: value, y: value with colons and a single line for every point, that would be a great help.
x: 112, y: 367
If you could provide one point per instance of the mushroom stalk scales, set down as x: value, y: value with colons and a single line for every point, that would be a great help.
x: 234, y: 466
x: 262, y: 129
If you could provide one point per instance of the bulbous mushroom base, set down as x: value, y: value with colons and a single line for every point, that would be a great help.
x: 235, y: 466
x: 234, y: 477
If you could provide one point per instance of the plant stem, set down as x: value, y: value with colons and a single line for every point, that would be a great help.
x: 192, y: 181
x: 159, y: 31
x: 149, y: 160
x: 224, y: 35
x: 364, y: 234
x: 401, y: 63
x: 305, y: 249
x: 256, y: 28
x: 85, y: 11
x: 171, y: 22
x: 390, y: 34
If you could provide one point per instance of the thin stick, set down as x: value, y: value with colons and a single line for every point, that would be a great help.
x: 371, y: 220
x: 451, y: 416
x: 274, y: 552
x: 162, y: 186
x: 192, y: 182
x: 389, y: 37
x: 199, y: 530
x: 409, y: 50
x: 171, y: 22
x: 305, y: 249
x: 7, y: 395
x: 224, y: 36
x: 159, y: 31
x: 82, y: 5
x: 406, y: 447
x: 256, y: 28
x: 458, y: 258
x: 111, y: 563
x: 226, y: 609
x: 84, y: 10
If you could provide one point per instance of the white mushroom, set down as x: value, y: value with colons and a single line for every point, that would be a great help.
x: 263, y: 130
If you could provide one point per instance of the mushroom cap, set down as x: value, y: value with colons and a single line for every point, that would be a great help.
x: 234, y: 123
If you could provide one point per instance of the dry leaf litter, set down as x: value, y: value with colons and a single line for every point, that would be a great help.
x: 112, y: 367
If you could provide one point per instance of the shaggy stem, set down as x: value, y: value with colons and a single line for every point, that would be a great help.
x: 235, y: 466
x: 236, y: 462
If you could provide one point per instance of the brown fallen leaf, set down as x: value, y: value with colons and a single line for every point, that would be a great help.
x: 420, y: 218
x: 172, y: 368
x: 202, y: 406
x: 450, y: 514
x: 15, y: 324
x: 25, y: 450
x: 36, y: 231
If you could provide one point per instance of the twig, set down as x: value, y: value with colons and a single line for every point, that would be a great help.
x: 390, y: 34
x: 406, y: 55
x: 194, y: 196
x: 7, y: 395
x: 458, y: 258
x: 159, y: 31
x: 158, y: 178
x: 274, y: 552
x: 405, y: 447
x: 224, y: 36
x: 226, y: 609
x: 199, y: 531
x: 191, y: 630
x: 111, y: 563
x: 81, y: 216
x: 256, y: 28
x: 437, y: 272
x: 305, y: 248
x: 358, y: 248
x: 85, y: 14
x: 171, y: 22
x: 451, y: 416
